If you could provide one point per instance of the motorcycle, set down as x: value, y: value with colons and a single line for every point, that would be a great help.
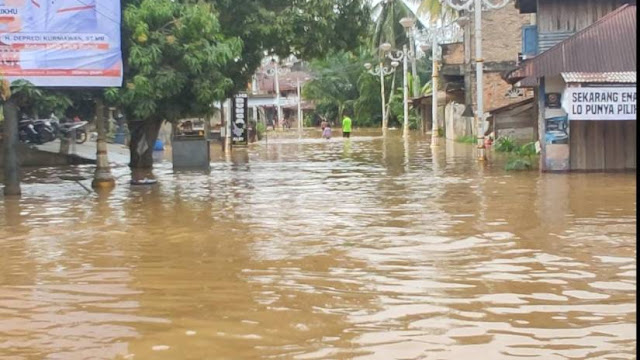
x: 69, y: 129
x: 36, y: 131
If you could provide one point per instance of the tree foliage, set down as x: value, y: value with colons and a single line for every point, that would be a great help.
x: 308, y: 29
x: 175, y: 54
x: 341, y: 83
x: 181, y: 56
x: 435, y: 9
x: 387, y: 24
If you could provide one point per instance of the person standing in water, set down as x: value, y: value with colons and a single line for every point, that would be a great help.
x: 346, y: 125
x: 326, y: 132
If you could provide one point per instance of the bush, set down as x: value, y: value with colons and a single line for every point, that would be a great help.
x: 505, y: 144
x: 467, y: 139
x: 518, y: 163
x: 528, y: 149
x: 522, y: 158
x: 260, y: 130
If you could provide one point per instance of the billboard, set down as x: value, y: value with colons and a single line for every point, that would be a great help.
x: 600, y: 103
x: 240, y: 129
x: 61, y: 42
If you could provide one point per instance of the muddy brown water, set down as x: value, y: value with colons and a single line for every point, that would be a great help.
x: 312, y: 249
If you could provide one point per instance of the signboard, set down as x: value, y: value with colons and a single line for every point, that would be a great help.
x: 239, y: 128
x: 600, y: 103
x: 61, y: 42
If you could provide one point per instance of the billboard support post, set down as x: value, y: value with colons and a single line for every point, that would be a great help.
x: 102, y: 178
x: 10, y: 142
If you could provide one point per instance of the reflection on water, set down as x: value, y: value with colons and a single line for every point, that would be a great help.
x: 366, y: 248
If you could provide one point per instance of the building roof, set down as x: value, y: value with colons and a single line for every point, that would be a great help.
x: 607, y: 77
x: 511, y: 106
x: 288, y: 81
x: 304, y: 105
x: 607, y: 45
x: 529, y: 82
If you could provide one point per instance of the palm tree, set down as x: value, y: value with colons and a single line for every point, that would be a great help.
x: 435, y: 9
x: 387, y: 25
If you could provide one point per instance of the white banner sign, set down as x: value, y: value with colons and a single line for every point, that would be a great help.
x: 600, y: 103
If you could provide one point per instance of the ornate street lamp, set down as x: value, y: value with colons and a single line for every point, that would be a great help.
x: 435, y: 35
x: 409, y: 24
x: 477, y: 6
x: 404, y: 55
x: 382, y: 71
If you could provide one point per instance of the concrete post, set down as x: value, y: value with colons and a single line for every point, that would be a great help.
x: 384, y: 113
x: 10, y: 140
x: 434, y: 92
x: 468, y: 92
x: 405, y: 69
x: 479, y: 81
x: 102, y: 178
x: 227, y: 126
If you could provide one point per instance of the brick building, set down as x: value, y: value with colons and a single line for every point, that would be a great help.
x: 501, y: 45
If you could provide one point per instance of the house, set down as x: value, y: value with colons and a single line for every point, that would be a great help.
x: 262, y: 92
x: 584, y: 72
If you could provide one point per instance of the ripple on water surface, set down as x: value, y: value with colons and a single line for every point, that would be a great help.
x: 367, y: 248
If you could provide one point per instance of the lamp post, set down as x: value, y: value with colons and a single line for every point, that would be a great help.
x: 435, y: 34
x: 403, y: 55
x: 408, y: 24
x: 476, y: 6
x: 382, y: 71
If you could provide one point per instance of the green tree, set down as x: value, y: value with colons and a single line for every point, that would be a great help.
x: 308, y: 29
x: 340, y: 83
x: 182, y: 56
x: 175, y: 54
x: 434, y: 9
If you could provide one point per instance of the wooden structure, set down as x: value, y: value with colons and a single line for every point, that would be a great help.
x: 598, y: 53
x: 603, y: 145
x: 517, y: 121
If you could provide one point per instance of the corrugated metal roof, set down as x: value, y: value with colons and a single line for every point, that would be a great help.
x: 529, y: 82
x: 511, y: 106
x: 608, y: 45
x: 608, y: 77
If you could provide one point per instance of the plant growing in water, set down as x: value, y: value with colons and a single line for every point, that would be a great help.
x: 522, y: 158
x: 505, y: 144
x: 260, y: 130
x: 467, y: 139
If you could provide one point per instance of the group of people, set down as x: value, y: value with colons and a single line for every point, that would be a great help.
x: 346, y: 128
x: 286, y: 123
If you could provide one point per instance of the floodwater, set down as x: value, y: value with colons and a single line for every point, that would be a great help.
x: 342, y: 249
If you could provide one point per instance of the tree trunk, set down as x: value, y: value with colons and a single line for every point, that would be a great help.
x: 143, y: 138
x: 11, y: 168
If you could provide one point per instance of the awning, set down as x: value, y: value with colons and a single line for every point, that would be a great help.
x: 626, y: 77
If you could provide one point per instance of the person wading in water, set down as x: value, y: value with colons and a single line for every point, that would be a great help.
x: 346, y: 125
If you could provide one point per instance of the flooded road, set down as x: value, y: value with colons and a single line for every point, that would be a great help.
x: 358, y: 249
